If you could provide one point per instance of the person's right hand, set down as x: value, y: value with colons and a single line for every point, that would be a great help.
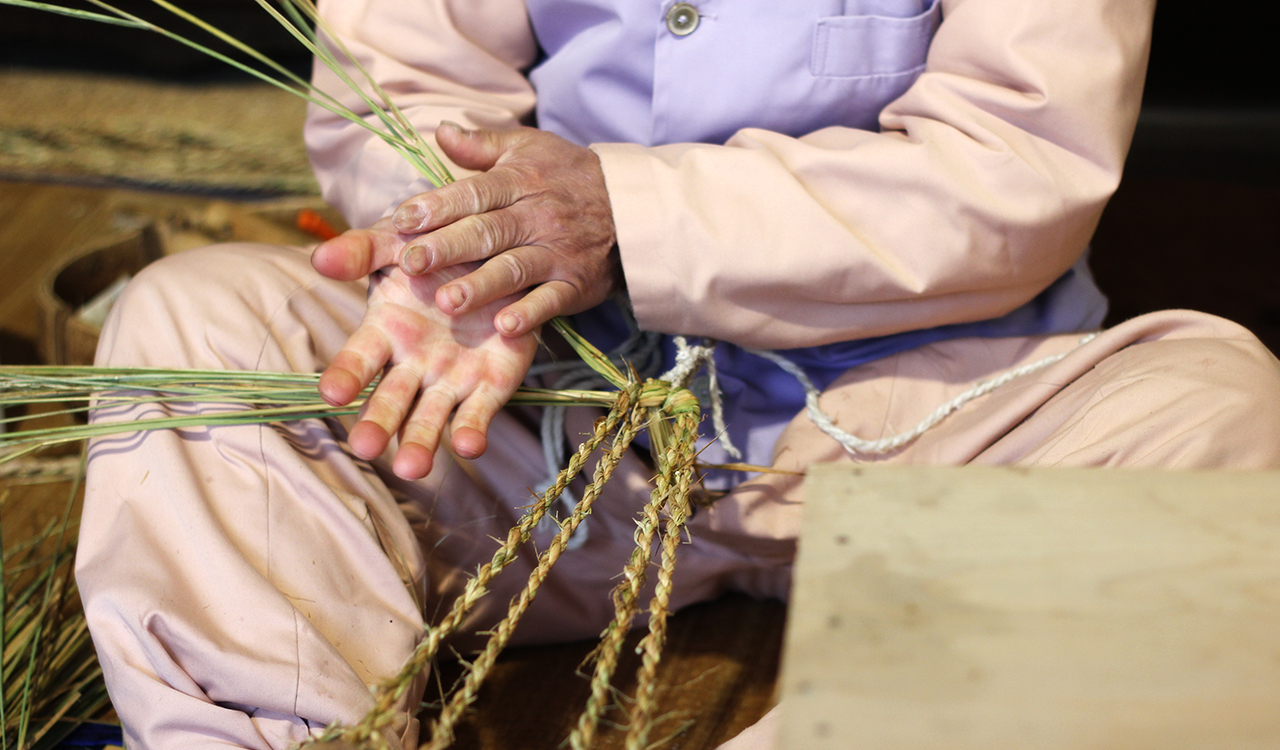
x: 432, y: 363
x: 537, y: 213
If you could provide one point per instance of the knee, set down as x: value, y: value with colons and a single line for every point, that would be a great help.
x: 1195, y: 403
x: 201, y: 308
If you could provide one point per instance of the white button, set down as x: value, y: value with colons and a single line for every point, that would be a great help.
x: 682, y: 19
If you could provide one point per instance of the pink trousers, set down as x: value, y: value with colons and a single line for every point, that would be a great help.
x: 245, y: 585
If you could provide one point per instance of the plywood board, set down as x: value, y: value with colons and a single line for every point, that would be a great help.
x: 998, y: 608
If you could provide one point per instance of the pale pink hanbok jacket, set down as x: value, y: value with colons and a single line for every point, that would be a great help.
x: 859, y: 176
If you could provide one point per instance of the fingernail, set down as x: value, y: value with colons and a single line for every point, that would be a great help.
x: 408, y: 218
x: 456, y: 296
x: 415, y: 260
x: 507, y: 322
x: 457, y: 127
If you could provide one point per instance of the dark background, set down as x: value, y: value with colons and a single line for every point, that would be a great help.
x: 32, y: 38
x: 1193, y: 225
x: 1201, y: 56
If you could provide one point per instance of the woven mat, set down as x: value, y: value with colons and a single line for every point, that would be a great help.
x: 228, y: 137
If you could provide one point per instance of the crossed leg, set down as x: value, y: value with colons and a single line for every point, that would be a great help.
x: 245, y: 585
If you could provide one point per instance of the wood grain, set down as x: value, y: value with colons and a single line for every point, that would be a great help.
x: 998, y: 608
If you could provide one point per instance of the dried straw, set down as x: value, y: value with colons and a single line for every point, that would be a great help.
x: 51, y: 680
x: 670, y: 415
x: 652, y: 405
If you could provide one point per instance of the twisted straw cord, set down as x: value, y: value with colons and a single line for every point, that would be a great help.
x: 679, y: 463
x: 442, y: 734
x: 367, y: 732
x: 626, y: 596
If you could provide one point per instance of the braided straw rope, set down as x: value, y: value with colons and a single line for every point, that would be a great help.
x: 671, y: 414
x: 625, y: 597
x: 679, y: 465
x: 442, y: 729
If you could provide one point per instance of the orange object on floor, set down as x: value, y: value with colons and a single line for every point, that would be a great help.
x: 314, y: 224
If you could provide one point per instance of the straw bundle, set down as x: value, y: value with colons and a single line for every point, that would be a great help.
x: 51, y: 680
x: 671, y: 416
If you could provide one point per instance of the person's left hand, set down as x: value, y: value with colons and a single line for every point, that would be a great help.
x: 538, y: 216
x: 431, y: 363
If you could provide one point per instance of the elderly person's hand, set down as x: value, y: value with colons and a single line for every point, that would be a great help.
x: 538, y: 215
x: 461, y: 279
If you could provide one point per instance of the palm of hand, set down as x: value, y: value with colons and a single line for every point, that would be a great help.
x: 432, y: 363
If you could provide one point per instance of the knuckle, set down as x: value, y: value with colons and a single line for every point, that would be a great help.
x: 440, y: 391
x: 489, y: 232
x: 459, y: 199
x: 469, y: 419
x: 357, y: 362
x: 469, y: 239
x: 516, y: 270
x: 476, y: 197
x: 423, y: 433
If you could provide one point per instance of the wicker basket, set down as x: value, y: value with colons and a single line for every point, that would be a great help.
x: 65, y: 338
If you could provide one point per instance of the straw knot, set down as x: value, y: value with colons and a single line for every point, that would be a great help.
x: 681, y: 401
x: 669, y: 399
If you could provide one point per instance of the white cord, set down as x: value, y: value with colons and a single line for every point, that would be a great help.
x: 641, y: 347
x: 856, y: 445
x: 688, y: 360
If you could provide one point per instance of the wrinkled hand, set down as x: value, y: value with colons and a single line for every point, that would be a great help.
x: 538, y: 215
x: 432, y: 362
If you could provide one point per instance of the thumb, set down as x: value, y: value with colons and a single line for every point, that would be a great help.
x: 357, y: 253
x: 477, y: 149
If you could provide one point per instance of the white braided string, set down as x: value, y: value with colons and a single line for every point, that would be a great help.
x: 689, y: 359
x: 856, y: 445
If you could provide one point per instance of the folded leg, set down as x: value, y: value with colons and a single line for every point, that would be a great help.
x: 244, y: 585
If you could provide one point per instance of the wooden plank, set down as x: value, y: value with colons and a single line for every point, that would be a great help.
x: 998, y: 608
